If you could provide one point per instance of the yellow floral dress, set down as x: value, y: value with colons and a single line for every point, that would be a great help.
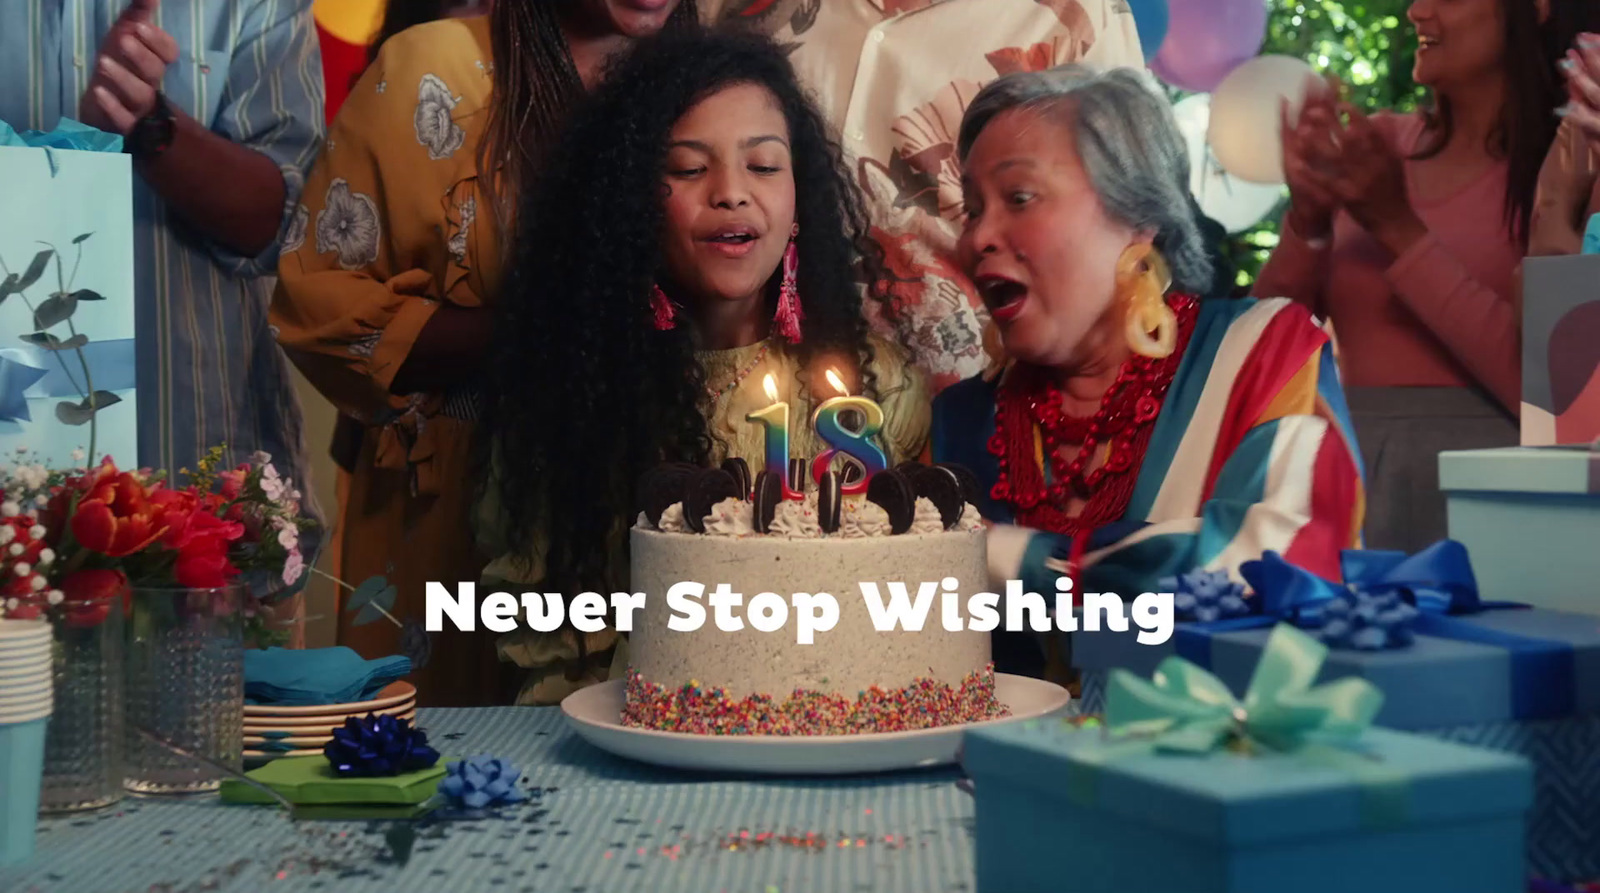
x: 551, y: 660
x: 392, y: 225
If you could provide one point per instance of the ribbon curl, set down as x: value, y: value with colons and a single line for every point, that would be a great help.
x: 377, y: 746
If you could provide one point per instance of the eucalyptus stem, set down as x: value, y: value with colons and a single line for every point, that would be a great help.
x: 325, y: 575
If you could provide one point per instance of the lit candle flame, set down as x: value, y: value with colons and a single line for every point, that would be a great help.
x: 771, y: 387
x: 837, y: 383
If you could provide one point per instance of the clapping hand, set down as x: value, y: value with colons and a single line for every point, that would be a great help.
x: 1309, y: 159
x: 1582, y: 68
x: 128, y: 70
x: 1371, y: 184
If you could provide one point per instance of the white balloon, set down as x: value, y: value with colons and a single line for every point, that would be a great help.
x: 1245, y: 115
x: 1234, y: 203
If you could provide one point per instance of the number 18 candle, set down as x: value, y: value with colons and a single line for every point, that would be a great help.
x: 859, y: 445
x: 775, y: 420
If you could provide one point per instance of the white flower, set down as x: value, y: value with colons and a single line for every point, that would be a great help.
x: 294, y: 567
x: 295, y: 235
x: 260, y: 457
x: 77, y: 455
x: 46, y: 556
x: 288, y: 537
x: 16, y: 549
x: 36, y: 532
x: 348, y: 224
x: 33, y: 476
x: 436, y: 129
x: 41, y: 501
x: 22, y: 567
x: 37, y: 583
x: 56, y: 597
x: 273, y: 487
x: 9, y: 509
x: 7, y: 534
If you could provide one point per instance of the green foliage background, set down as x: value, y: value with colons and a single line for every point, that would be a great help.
x: 1368, y: 44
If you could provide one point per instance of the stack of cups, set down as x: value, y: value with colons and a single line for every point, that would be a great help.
x: 25, y: 701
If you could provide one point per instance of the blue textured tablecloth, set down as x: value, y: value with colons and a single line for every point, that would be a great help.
x: 599, y: 825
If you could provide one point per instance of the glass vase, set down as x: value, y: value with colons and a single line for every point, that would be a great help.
x: 185, y: 689
x: 83, y: 751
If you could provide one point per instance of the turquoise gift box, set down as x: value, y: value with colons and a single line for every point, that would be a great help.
x: 67, y: 297
x: 1060, y: 806
x: 1518, y: 680
x: 1530, y: 516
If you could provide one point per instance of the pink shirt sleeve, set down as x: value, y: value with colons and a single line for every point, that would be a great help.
x: 1474, y: 322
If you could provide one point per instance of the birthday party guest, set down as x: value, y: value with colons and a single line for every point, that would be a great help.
x: 1569, y: 183
x: 1407, y: 230
x: 219, y: 104
x: 386, y: 284
x: 893, y: 77
x: 1132, y: 431
x: 666, y: 270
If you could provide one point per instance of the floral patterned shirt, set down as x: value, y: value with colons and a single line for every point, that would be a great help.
x: 389, y: 228
x: 895, y: 77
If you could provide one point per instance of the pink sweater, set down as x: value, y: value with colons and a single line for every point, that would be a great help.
x: 1441, y: 314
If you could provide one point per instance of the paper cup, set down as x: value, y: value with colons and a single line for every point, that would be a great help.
x: 21, y: 774
x: 16, y: 631
x: 25, y: 692
x: 29, y: 651
x: 26, y: 712
x: 39, y: 666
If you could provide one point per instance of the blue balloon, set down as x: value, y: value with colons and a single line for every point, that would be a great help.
x: 1150, y: 18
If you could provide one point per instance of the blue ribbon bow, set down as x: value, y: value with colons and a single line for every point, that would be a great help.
x: 15, y: 379
x: 1205, y: 596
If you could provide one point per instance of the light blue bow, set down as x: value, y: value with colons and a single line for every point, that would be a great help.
x: 15, y: 379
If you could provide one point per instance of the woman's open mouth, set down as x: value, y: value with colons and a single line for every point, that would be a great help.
x: 1004, y: 297
x: 734, y: 241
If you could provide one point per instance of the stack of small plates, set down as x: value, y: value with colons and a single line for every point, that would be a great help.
x: 271, y: 731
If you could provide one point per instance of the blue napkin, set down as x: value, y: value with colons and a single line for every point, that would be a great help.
x: 1591, y: 236
x: 291, y: 677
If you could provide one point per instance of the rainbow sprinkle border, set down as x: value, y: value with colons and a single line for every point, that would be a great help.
x: 925, y: 704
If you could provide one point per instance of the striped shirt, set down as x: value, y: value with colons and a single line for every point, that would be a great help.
x: 209, y: 370
x: 1253, y: 450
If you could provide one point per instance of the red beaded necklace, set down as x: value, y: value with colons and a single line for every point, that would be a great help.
x: 1028, y: 400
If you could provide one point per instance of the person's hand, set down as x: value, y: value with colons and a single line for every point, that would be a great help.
x: 1309, y: 155
x: 1371, y: 183
x: 128, y: 70
x: 1582, y: 69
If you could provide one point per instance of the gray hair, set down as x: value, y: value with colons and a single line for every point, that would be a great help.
x: 1131, y: 149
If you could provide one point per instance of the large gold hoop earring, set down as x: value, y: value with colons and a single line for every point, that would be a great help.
x: 1142, y: 281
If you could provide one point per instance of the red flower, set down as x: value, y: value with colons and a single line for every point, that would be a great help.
x: 200, y: 538
x: 232, y: 483
x: 90, y: 595
x: 113, y: 516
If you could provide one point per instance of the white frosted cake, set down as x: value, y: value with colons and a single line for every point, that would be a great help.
x: 853, y: 678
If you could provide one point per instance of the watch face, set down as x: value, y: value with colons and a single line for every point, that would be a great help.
x: 152, y: 135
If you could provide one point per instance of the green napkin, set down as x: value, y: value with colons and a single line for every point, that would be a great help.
x: 310, y: 780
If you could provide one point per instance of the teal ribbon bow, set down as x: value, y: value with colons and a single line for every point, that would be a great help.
x: 68, y: 134
x: 1184, y: 709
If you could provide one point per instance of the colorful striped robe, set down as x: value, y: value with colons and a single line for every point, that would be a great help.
x: 1253, y: 450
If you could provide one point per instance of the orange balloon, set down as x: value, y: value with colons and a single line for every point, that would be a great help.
x: 352, y: 21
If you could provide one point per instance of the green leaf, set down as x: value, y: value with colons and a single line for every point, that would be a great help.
x: 87, y: 294
x: 57, y: 308
x: 371, y: 599
x: 9, y: 287
x: 51, y: 342
x: 35, y: 269
x: 70, y: 413
x: 81, y: 239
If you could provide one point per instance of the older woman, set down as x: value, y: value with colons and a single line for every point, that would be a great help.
x: 1131, y: 431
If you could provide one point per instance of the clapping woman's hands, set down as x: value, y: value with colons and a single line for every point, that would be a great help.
x: 1310, y: 159
x: 1582, y: 69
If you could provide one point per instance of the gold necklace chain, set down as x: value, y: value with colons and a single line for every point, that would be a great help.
x: 716, y: 394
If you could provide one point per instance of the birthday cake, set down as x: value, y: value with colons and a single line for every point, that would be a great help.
x: 914, y: 525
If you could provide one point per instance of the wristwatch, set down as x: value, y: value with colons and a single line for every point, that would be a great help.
x: 152, y: 134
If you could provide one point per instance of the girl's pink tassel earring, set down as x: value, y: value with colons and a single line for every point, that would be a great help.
x: 663, y: 309
x: 789, y: 314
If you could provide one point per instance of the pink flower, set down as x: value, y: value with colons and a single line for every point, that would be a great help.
x: 294, y: 568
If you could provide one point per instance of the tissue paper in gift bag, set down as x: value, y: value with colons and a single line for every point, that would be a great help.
x: 66, y: 296
x: 1560, y: 349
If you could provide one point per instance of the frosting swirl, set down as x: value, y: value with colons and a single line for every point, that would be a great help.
x: 864, y: 518
x: 730, y: 517
x: 971, y: 518
x: 672, y: 519
x: 797, y: 518
x: 926, y: 518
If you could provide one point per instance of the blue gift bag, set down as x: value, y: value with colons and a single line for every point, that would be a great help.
x: 66, y: 297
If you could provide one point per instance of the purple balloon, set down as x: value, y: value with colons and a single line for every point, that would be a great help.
x: 1207, y: 39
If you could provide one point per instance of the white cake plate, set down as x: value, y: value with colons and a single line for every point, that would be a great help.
x: 595, y: 713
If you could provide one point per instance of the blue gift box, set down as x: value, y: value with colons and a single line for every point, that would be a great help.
x: 1530, y: 516
x: 1463, y: 691
x: 1061, y: 807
